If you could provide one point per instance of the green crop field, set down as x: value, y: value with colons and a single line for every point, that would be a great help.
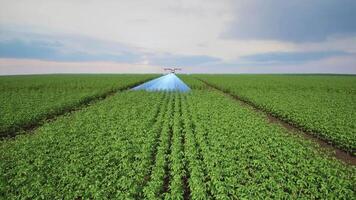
x: 201, y: 144
x: 25, y: 100
x: 323, y: 105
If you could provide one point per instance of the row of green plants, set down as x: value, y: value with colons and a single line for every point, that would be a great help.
x: 177, y: 160
x: 103, y: 151
x: 320, y: 104
x: 242, y: 156
x: 198, y: 180
x: 166, y: 178
x: 26, y: 100
x: 154, y: 189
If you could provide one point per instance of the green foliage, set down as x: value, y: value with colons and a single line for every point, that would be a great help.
x: 245, y: 157
x: 155, y: 187
x: 100, y: 152
x: 153, y: 145
x: 176, y: 154
x: 196, y: 168
x: 25, y: 100
x: 325, y: 105
x: 193, y: 82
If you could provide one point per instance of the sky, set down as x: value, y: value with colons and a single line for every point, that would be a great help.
x: 200, y: 36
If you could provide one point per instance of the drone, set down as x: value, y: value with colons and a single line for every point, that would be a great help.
x: 172, y: 69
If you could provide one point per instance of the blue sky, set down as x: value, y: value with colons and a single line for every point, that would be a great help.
x: 138, y: 36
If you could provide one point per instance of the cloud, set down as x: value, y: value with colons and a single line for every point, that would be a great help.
x: 188, y: 33
x: 292, y: 20
x: 160, y: 26
x: 335, y: 64
x: 57, y: 52
x: 57, y: 47
x: 291, y: 57
x: 33, y: 66
x: 75, y: 48
x: 182, y: 60
x: 330, y: 65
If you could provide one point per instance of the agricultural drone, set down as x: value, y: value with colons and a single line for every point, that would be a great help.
x: 172, y: 69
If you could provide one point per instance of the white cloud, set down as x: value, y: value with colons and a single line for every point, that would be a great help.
x: 31, y: 66
x: 332, y: 65
x: 177, y: 27
x: 174, y: 27
x: 167, y: 26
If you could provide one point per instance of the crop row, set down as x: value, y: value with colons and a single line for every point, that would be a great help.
x: 245, y: 157
x: 26, y: 100
x: 167, y: 178
x: 323, y: 105
x: 196, y: 170
x: 155, y: 187
x: 177, y: 160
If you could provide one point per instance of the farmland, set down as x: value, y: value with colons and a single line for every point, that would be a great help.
x: 25, y: 100
x: 168, y: 145
x: 323, y: 105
